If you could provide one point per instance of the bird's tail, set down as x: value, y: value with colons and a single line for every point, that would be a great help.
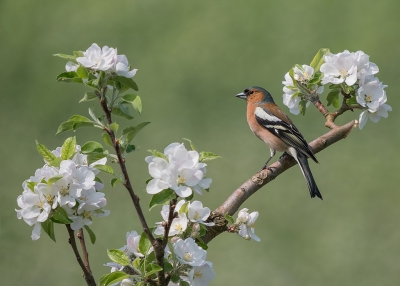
x: 305, y: 169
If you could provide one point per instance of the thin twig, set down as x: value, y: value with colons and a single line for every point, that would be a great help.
x: 87, y: 274
x: 84, y: 250
x: 171, y: 216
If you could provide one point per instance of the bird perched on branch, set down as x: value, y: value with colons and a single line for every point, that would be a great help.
x: 269, y: 123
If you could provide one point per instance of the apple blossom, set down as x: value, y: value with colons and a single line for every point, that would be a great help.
x: 246, y: 227
x: 196, y: 213
x: 338, y: 68
x: 188, y: 252
x: 382, y: 111
x: 98, y: 58
x: 201, y: 275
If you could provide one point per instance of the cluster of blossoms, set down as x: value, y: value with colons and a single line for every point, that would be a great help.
x: 349, y: 72
x: 69, y: 188
x: 177, y: 169
x: 103, y: 59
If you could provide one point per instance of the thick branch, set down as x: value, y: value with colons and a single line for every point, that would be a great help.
x: 263, y: 177
x: 87, y: 274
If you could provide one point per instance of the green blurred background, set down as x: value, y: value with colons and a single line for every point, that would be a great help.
x: 193, y: 57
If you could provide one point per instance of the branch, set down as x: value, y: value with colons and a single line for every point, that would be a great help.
x: 84, y: 250
x: 263, y: 177
x: 87, y: 274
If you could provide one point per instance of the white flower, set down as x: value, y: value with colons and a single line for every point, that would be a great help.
x: 364, y: 66
x: 371, y: 94
x: 291, y: 100
x: 132, y: 243
x: 181, y: 172
x: 98, y: 58
x: 303, y: 75
x: 82, y: 176
x: 247, y: 229
x: 127, y: 282
x: 374, y: 116
x: 84, y: 216
x: 188, y: 252
x: 178, y: 224
x: 201, y: 275
x: 197, y: 213
x: 338, y: 68
x: 70, y: 66
x: 67, y: 191
x: 243, y: 215
x: 122, y: 67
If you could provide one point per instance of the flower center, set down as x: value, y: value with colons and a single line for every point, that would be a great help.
x: 188, y: 256
x: 196, y: 215
x: 86, y: 214
x: 181, y: 180
x: 179, y: 227
x: 64, y: 191
x: 368, y: 98
x: 343, y: 73
x: 198, y: 274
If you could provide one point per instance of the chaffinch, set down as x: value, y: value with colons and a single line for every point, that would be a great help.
x: 269, y: 123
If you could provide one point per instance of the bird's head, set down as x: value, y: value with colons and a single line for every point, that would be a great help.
x: 256, y: 94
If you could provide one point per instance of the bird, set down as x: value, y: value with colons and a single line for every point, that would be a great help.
x: 270, y: 124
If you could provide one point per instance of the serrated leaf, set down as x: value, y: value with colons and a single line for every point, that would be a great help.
x: 90, y: 84
x: 73, y: 123
x: 64, y: 56
x: 152, y: 269
x: 46, y: 153
x: 114, y: 127
x: 61, y: 215
x: 333, y: 98
x: 105, y: 168
x: 158, y: 154
x: 70, y: 77
x: 82, y: 72
x: 208, y: 156
x: 112, y: 278
x: 48, y: 227
x: 115, y: 181
x: 92, y: 147
x: 318, y: 59
x: 93, y: 157
x: 68, y: 148
x: 191, y: 144
x: 302, y: 107
x: 88, y: 96
x: 54, y: 179
x: 144, y: 244
x: 352, y: 100
x: 92, y: 236
x: 121, y: 111
x: 161, y: 197
x: 229, y: 218
x: 118, y: 256
x: 135, y: 100
x: 130, y: 132
x: 107, y: 139
x: 94, y: 117
x: 127, y: 81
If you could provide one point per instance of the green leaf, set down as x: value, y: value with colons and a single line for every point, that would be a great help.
x: 202, y: 245
x: 175, y: 277
x: 107, y: 139
x: 352, y: 100
x: 112, y: 278
x: 161, y: 197
x: 316, y: 79
x: 92, y: 147
x: 46, y: 153
x: 88, y: 96
x: 183, y: 283
x: 56, y: 162
x: 191, y: 144
x: 299, y: 67
x: 70, y: 77
x: 134, y: 100
x: 302, y: 107
x: 151, y: 269
x: 54, y: 179
x: 130, y: 132
x: 68, y: 148
x: 167, y: 266
x: 208, y: 156
x: 91, y: 234
x: 114, y: 127
x: 144, y: 244
x: 115, y: 181
x: 130, y: 148
x: 94, y: 117
x: 333, y: 98
x: 48, y: 227
x: 118, y: 256
x: 64, y: 56
x: 318, y: 59
x: 158, y: 154
x: 121, y: 111
x: 31, y: 185
x: 127, y: 81
x: 93, y: 157
x: 74, y: 123
x: 184, y: 208
x: 82, y: 72
x: 90, y: 83
x: 61, y: 215
x: 105, y: 168
x: 229, y: 218
x: 78, y: 54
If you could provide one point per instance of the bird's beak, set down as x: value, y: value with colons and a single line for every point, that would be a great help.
x: 241, y: 95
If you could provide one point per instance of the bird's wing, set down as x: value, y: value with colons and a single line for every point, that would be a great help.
x: 285, y: 131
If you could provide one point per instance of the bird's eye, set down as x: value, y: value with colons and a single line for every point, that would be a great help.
x: 251, y: 91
